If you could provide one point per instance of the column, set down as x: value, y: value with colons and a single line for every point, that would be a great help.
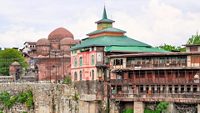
x: 149, y: 87
x: 173, y: 89
x: 113, y: 109
x: 92, y: 107
x: 170, y: 108
x: 156, y: 89
x: 198, y: 88
x: 83, y: 107
x: 185, y: 88
x: 167, y: 89
x: 191, y: 88
x: 198, y: 108
x: 138, y: 107
x: 144, y: 87
x: 179, y: 89
x: 161, y: 88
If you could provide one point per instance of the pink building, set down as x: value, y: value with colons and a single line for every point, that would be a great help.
x: 88, y: 59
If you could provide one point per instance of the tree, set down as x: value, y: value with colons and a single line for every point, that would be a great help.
x: 7, y: 57
x: 195, y: 39
x: 168, y: 47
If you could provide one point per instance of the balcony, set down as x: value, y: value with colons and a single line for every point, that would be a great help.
x: 178, y: 97
x: 143, y: 81
x: 156, y: 65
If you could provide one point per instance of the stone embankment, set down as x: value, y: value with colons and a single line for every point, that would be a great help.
x: 48, y: 97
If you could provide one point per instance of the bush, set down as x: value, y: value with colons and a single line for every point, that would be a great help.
x: 67, y: 80
x: 162, y: 106
x: 129, y: 110
x: 151, y: 111
x: 9, y: 100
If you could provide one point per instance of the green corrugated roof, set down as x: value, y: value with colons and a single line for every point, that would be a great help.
x: 105, y: 21
x: 132, y: 49
x: 111, y: 29
x: 110, y: 41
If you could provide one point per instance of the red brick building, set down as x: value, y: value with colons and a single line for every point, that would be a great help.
x: 51, y: 56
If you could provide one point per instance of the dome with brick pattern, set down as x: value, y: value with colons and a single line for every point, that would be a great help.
x: 43, y: 42
x: 67, y: 41
x: 59, y: 34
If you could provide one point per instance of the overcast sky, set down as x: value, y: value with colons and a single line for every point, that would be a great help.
x: 152, y: 21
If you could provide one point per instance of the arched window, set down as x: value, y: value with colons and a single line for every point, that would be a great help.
x: 75, y: 76
x: 80, y: 75
x: 81, y: 61
x: 92, y: 57
x: 92, y: 74
x: 75, y: 62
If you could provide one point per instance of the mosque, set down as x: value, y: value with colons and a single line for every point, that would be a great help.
x: 51, y: 56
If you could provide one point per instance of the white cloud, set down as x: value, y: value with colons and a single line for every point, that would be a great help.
x: 151, y: 21
x: 17, y: 35
x: 160, y: 23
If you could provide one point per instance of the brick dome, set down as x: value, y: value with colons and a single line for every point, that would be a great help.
x: 60, y: 33
x: 43, y: 42
x: 67, y: 41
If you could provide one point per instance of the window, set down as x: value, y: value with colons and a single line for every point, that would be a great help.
x: 118, y: 62
x: 81, y: 61
x: 92, y: 74
x: 75, y: 76
x: 92, y: 59
x: 192, y: 49
x: 75, y: 62
x: 80, y: 75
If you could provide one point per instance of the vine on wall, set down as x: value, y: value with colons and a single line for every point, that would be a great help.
x: 8, y: 101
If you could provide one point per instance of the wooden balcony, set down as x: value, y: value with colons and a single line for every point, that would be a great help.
x: 157, y: 65
x: 178, y: 97
x: 153, y: 82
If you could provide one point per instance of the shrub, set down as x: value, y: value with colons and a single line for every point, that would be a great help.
x: 129, y: 110
x: 67, y: 80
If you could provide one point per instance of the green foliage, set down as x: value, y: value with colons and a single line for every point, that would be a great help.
x: 29, y: 101
x: 7, y: 57
x: 67, y: 80
x: 6, y: 100
x: 162, y: 106
x: 23, y: 97
x: 75, y: 97
x: 129, y: 110
x: 168, y: 47
x: 195, y: 39
x: 151, y: 111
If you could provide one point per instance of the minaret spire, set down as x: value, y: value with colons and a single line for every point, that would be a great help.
x: 105, y: 22
x: 104, y: 13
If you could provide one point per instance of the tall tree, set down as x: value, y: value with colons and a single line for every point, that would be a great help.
x: 195, y: 39
x: 7, y: 57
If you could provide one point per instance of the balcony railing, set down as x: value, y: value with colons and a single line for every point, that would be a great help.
x: 176, y: 97
x: 156, y: 65
x: 151, y: 82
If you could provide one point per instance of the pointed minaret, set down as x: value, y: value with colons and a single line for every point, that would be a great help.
x: 104, y: 22
x: 104, y: 14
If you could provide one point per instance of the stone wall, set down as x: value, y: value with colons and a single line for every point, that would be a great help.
x: 48, y: 97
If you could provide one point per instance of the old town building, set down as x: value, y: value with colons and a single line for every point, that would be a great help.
x: 124, y: 72
x: 50, y: 57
